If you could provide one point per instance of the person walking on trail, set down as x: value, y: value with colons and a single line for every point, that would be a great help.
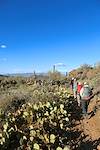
x: 79, y: 86
x: 86, y: 95
x: 75, y: 88
x: 71, y: 84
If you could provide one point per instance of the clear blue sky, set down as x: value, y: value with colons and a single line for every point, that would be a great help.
x: 35, y: 34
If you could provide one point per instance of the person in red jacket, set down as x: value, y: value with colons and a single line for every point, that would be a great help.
x: 79, y: 86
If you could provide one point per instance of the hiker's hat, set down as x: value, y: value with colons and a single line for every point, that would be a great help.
x: 79, y: 83
x: 85, y: 83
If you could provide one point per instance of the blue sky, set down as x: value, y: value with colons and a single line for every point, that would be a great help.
x: 35, y: 34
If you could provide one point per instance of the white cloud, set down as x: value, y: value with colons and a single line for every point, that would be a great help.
x: 3, y: 46
x: 60, y: 64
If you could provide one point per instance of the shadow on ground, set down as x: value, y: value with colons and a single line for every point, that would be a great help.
x: 89, y: 145
x: 80, y: 141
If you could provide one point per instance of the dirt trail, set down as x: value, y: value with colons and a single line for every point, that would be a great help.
x: 88, y: 130
x: 93, y: 124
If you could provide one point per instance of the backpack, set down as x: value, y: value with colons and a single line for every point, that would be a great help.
x: 75, y: 86
x: 87, y: 93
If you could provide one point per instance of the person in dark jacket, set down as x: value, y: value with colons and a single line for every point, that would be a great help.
x: 71, y: 84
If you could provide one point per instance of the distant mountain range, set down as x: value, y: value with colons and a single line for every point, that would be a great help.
x: 24, y: 74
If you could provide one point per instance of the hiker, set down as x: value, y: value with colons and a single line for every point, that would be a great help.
x: 71, y: 84
x: 75, y: 88
x: 86, y: 95
x: 79, y: 86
